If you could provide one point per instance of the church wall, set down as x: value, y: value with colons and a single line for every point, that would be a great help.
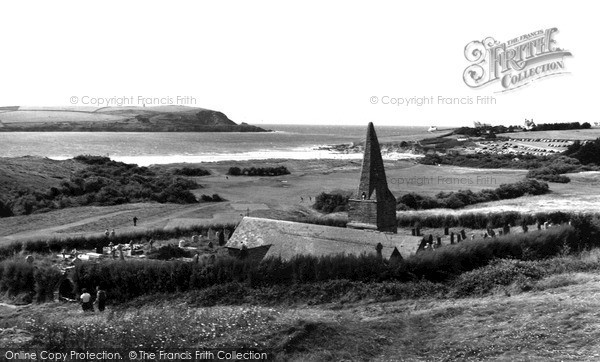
x: 387, y: 214
x: 362, y: 211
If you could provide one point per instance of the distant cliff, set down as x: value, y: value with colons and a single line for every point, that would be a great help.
x: 118, y: 119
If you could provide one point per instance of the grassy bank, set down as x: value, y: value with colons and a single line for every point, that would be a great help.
x: 532, y: 308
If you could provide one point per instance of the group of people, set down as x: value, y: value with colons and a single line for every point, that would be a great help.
x: 87, y: 303
x: 112, y: 232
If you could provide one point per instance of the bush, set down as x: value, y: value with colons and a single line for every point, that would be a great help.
x: 103, y: 182
x: 258, y: 171
x: 482, y: 220
x: 560, y: 126
x: 191, y: 171
x: 501, y: 272
x: 169, y: 252
x: 588, y: 153
x: 548, y: 174
x: 5, y: 210
x: 234, y: 171
x: 17, y: 277
x: 213, y: 198
x: 457, y: 200
x: 333, y: 202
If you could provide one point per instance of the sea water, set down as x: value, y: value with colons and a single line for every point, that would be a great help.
x: 146, y: 148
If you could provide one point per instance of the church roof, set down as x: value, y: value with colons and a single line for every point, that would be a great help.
x: 287, y: 239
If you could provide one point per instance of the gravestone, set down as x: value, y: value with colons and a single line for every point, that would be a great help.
x: 378, y: 249
x: 423, y: 244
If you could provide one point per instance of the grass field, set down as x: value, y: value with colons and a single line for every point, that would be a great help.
x: 51, y: 116
x: 573, y: 134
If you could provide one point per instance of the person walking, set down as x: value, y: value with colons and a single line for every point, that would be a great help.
x: 135, y: 220
x: 86, y: 301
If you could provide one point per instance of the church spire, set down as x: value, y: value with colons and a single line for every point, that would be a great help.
x: 374, y: 205
x: 372, y: 178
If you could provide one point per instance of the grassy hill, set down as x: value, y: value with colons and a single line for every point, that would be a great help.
x: 127, y: 119
x: 34, y: 172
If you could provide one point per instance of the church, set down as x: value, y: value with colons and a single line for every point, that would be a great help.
x: 371, y: 229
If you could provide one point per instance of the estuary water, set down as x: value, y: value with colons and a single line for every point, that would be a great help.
x: 143, y: 148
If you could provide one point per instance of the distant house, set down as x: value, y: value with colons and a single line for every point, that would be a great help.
x: 372, y: 225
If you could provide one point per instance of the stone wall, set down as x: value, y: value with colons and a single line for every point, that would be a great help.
x: 386, y: 214
x: 363, y: 211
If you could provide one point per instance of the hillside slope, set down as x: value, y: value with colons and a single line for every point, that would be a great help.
x: 37, y: 173
x: 113, y: 119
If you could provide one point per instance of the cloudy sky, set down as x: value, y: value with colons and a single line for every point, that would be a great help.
x: 293, y: 62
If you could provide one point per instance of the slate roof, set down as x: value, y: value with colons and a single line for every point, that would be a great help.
x: 288, y: 239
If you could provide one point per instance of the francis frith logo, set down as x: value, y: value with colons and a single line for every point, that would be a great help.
x: 516, y: 62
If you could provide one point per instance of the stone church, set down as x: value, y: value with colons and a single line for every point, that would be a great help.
x: 371, y: 228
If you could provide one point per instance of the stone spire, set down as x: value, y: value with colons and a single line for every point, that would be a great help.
x: 372, y: 177
x: 373, y: 206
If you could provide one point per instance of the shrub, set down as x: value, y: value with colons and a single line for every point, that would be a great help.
x: 501, y: 272
x: 104, y: 182
x: 168, y: 252
x: 191, y: 171
x: 234, y: 171
x: 5, y: 210
x: 333, y: 202
x: 481, y: 220
x: 457, y: 200
x: 561, y: 126
x: 258, y: 171
x: 588, y: 153
x: 17, y: 277
x: 213, y: 198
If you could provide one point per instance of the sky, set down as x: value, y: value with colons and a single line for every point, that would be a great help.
x: 283, y: 62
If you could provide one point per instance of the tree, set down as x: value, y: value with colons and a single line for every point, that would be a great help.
x: 234, y: 171
x: 5, y: 210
